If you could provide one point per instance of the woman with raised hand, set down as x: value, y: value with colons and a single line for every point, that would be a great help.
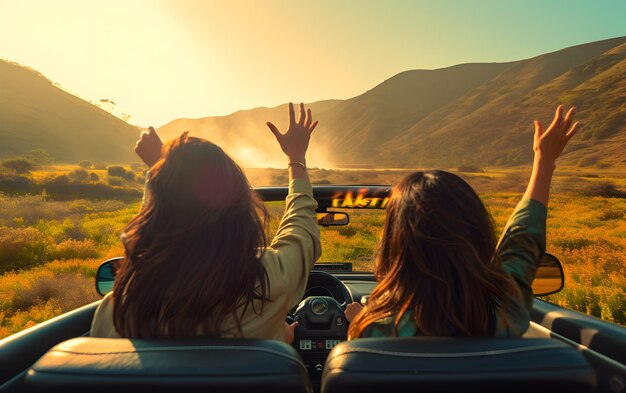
x: 196, y: 261
x: 439, y: 270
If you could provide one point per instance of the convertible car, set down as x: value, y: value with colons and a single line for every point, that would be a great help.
x: 562, y: 350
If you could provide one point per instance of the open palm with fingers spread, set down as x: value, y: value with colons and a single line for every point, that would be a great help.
x: 549, y: 144
x: 295, y: 141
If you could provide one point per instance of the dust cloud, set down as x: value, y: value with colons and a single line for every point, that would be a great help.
x: 250, y: 143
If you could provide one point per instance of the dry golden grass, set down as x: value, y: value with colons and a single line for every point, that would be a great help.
x: 61, y: 244
x: 588, y: 235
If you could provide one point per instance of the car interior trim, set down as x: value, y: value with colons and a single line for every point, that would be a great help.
x: 493, y: 352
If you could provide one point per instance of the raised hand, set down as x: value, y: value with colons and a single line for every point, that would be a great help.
x: 295, y: 141
x: 549, y: 144
x: 148, y: 147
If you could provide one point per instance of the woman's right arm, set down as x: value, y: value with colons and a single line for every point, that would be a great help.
x: 295, y: 142
x: 547, y: 146
x: 523, y: 240
x: 296, y: 245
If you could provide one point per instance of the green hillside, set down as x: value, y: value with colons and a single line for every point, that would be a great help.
x: 467, y: 114
x: 497, y: 127
x: 478, y: 114
x: 35, y: 114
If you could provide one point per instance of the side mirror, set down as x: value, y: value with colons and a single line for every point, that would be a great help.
x: 328, y: 219
x: 549, y: 278
x: 105, y: 276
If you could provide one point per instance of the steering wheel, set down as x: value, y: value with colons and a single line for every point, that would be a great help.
x: 318, y: 275
x: 321, y: 276
x: 323, y: 316
x: 322, y: 323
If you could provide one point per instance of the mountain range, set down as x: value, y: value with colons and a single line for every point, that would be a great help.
x: 479, y: 114
x: 467, y: 114
x: 37, y: 114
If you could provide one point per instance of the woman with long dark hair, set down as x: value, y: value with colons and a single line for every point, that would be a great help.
x: 196, y: 258
x: 439, y: 269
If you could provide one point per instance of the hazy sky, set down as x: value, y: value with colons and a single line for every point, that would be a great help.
x: 164, y: 59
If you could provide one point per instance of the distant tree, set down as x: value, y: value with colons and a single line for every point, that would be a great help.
x: 116, y: 181
x: 605, y: 189
x: 79, y: 175
x: 94, y: 177
x: 40, y: 157
x: 129, y: 176
x: 100, y: 165
x: 116, y: 170
x: 85, y: 164
x: 106, y: 104
x: 19, y: 165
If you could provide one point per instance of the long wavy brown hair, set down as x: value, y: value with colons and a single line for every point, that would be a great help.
x: 437, y: 260
x: 192, y: 254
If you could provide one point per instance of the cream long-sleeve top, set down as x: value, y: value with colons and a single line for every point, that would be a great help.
x: 288, y: 261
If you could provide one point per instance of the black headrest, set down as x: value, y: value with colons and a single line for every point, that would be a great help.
x: 105, y: 364
x: 426, y: 364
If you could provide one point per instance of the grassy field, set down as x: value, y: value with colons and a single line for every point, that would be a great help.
x: 588, y: 235
x: 50, y: 250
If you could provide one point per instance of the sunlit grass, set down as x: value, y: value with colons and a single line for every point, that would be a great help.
x: 49, y: 250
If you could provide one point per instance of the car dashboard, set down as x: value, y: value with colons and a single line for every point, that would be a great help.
x: 321, y: 321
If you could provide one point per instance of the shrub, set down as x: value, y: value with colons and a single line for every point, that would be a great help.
x: 73, y: 229
x: 66, y: 291
x: 129, y: 176
x: 74, y: 249
x: 85, y: 164
x: 40, y: 157
x: 19, y: 165
x: 21, y: 248
x: 78, y: 175
x: 94, y: 177
x: 116, y: 170
x: 116, y: 181
x: 611, y: 214
x: 40, y: 291
x: 60, y: 188
x: 15, y: 184
x: 603, y: 189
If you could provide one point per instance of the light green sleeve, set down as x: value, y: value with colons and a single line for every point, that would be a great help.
x: 295, y: 247
x: 520, y: 248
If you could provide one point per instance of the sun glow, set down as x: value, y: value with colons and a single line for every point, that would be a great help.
x: 160, y: 60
